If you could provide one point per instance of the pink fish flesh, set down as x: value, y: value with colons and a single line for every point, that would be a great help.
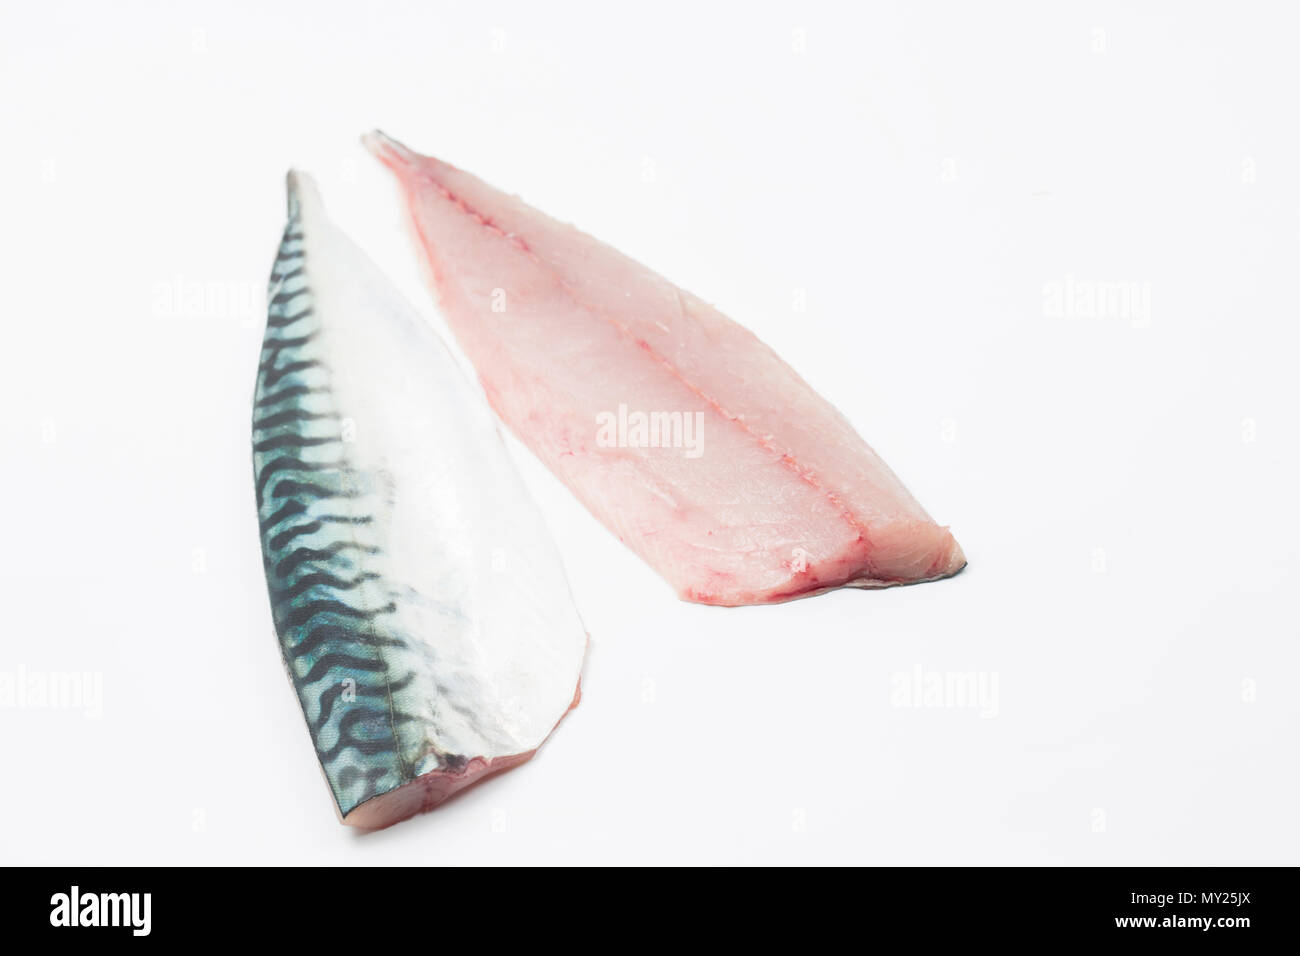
x: 684, y: 434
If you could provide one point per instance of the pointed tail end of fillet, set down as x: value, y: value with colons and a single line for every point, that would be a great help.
x: 302, y: 194
x: 404, y: 162
x: 390, y: 152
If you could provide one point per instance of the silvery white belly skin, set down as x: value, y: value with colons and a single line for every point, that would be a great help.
x: 421, y: 607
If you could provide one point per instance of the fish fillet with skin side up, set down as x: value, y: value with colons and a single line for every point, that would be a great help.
x: 778, y: 497
x: 422, y: 611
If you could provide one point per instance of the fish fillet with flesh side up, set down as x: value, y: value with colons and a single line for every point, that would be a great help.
x: 603, y: 368
x: 421, y: 608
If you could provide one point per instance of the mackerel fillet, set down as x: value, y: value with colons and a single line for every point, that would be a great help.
x: 421, y: 609
x: 684, y: 434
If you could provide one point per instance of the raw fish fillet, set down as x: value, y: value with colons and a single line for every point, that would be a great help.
x: 688, y: 437
x: 421, y: 608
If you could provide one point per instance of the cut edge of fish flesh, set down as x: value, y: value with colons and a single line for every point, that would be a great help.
x: 884, y: 537
x: 438, y: 786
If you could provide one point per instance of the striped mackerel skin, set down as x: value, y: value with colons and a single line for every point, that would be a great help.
x: 421, y: 610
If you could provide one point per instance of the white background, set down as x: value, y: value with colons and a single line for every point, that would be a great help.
x: 1125, y: 488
